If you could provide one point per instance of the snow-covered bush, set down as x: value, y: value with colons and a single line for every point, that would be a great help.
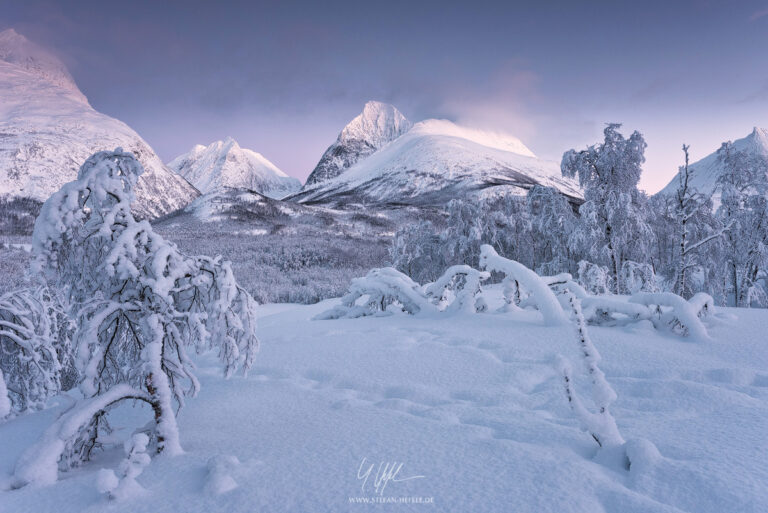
x: 138, y: 304
x: 674, y: 313
x: 379, y: 289
x: 601, y: 424
x: 540, y: 294
x: 34, y: 347
x: 458, y: 290
x: 125, y: 485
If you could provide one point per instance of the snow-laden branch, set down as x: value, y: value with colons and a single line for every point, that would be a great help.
x: 458, y: 290
x: 39, y: 463
x: 541, y: 295
x: 601, y: 424
x: 678, y: 314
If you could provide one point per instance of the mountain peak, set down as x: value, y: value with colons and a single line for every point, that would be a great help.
x: 225, y: 164
x: 376, y: 126
x: 21, y: 52
x: 707, y: 170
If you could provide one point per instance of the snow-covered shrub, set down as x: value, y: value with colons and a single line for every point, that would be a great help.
x: 637, y: 277
x: 125, y: 485
x: 596, y: 279
x: 33, y: 344
x: 601, y: 424
x: 674, y: 313
x: 138, y: 304
x: 540, y: 294
x: 379, y: 289
x: 458, y: 290
x: 602, y: 310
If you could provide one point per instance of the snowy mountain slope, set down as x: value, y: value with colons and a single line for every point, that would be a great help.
x: 226, y: 164
x: 48, y: 129
x: 231, y: 203
x: 707, y: 170
x: 17, y: 49
x: 470, y: 402
x: 377, y: 125
x: 436, y: 161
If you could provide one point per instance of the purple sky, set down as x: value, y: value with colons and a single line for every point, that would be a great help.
x: 283, y: 78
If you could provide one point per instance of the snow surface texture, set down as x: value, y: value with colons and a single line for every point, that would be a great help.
x: 436, y: 161
x: 226, y: 164
x: 470, y: 402
x: 707, y: 170
x: 47, y: 129
x: 376, y: 126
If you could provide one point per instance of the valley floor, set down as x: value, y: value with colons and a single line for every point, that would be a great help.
x: 471, y: 403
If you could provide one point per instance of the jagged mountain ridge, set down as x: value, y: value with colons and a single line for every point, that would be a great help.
x: 226, y: 164
x: 707, y: 170
x: 436, y: 161
x: 377, y: 125
x: 48, y: 129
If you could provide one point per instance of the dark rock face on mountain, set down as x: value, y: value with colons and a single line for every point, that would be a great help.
x: 377, y: 125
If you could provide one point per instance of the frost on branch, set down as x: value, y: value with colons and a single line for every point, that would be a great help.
x: 138, y: 303
x: 34, y: 344
x: 601, y: 424
x: 541, y: 295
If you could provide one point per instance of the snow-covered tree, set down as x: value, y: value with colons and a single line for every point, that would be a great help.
x: 695, y: 230
x: 552, y: 221
x: 139, y: 304
x: 612, y: 225
x: 743, y: 211
x: 418, y: 251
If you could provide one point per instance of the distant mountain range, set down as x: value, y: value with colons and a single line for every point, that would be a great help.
x: 380, y: 158
x: 226, y: 164
x: 428, y: 163
x: 48, y: 129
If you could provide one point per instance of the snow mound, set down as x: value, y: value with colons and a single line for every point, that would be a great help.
x: 226, y: 164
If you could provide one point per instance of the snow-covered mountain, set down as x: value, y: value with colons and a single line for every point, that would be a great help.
x: 707, y: 170
x: 436, y: 161
x: 48, y: 129
x: 226, y: 164
x: 377, y: 125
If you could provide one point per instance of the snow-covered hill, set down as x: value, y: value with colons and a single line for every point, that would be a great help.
x: 377, y: 125
x: 226, y: 164
x: 436, y: 161
x: 707, y: 170
x: 48, y: 129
